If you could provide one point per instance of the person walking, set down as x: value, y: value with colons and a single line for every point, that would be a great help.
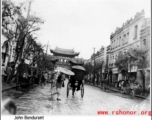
x: 59, y: 83
x: 3, y: 72
x: 14, y: 75
x: 8, y: 72
x: 44, y: 77
x: 34, y: 74
x: 39, y: 76
x: 53, y: 83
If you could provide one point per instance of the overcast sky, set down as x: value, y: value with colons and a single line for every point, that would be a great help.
x: 83, y: 24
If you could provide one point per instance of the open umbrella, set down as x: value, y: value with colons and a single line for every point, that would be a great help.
x: 65, y: 71
x: 78, y: 67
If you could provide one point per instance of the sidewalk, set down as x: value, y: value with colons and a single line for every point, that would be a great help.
x: 6, y: 87
x: 116, y: 90
x: 106, y: 86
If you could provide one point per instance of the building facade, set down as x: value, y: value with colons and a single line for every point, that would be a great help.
x: 100, y: 57
x: 8, y: 50
x: 108, y: 74
x: 124, y: 38
x: 145, y: 37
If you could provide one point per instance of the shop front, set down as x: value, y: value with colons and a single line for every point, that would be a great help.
x: 115, y: 75
x: 133, y: 73
x: 109, y: 76
x: 121, y: 75
x: 105, y: 74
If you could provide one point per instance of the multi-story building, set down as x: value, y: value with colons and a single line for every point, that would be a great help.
x: 104, y: 59
x: 124, y: 38
x: 8, y: 50
x: 8, y: 47
x: 107, y: 64
x: 108, y: 55
x: 100, y: 55
x: 145, y: 37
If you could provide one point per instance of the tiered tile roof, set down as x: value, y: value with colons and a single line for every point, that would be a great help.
x: 61, y: 51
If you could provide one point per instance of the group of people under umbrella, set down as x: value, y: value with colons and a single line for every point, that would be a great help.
x: 62, y: 74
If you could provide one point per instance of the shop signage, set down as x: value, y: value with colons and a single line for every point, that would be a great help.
x: 133, y: 69
x: 115, y: 70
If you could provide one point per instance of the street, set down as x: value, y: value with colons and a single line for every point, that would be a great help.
x: 39, y: 101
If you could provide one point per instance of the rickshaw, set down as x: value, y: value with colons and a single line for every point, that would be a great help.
x: 26, y: 82
x: 76, y: 82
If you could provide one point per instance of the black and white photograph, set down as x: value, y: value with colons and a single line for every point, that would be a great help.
x: 75, y: 57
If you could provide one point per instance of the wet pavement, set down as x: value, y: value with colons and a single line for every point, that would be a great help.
x: 41, y: 101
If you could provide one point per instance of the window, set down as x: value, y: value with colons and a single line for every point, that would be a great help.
x: 124, y: 39
x: 144, y: 42
x: 120, y: 41
x: 135, y: 33
x: 127, y: 37
x: 117, y: 42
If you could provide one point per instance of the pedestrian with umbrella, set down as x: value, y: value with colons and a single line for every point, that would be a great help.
x: 60, y: 80
x: 59, y: 83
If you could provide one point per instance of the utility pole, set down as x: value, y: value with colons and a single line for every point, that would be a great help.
x: 94, y: 67
x: 25, y: 30
x: 47, y: 47
x: 29, y: 8
x: 46, y: 51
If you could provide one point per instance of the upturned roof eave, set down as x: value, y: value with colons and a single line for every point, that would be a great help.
x: 73, y: 54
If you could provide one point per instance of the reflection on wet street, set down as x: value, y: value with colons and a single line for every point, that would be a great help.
x: 41, y: 101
